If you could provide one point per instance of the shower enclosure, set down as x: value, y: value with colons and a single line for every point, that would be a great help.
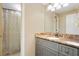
x: 11, y: 35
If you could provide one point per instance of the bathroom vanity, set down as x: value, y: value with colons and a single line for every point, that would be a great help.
x: 63, y: 45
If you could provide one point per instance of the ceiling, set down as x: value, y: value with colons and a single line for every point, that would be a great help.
x: 14, y: 6
x: 17, y: 6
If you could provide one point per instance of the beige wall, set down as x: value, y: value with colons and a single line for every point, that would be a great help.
x: 33, y: 15
x: 1, y: 28
x: 36, y: 18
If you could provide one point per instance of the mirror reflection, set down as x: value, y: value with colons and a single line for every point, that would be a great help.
x: 62, y: 18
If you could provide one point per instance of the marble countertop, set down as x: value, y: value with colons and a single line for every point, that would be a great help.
x: 74, y: 42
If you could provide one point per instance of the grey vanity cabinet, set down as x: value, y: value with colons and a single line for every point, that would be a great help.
x: 50, y: 48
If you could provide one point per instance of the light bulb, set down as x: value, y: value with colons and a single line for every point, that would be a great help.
x: 61, y: 3
x: 58, y: 7
x: 18, y: 7
x: 49, y: 7
x: 56, y: 4
x: 53, y: 9
x: 65, y: 5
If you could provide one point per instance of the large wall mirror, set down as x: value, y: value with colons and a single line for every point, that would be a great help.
x: 63, y: 20
x: 69, y: 22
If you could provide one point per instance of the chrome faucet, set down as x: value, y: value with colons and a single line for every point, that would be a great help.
x: 57, y: 35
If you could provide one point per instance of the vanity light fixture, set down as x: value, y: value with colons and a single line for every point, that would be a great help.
x: 56, y: 6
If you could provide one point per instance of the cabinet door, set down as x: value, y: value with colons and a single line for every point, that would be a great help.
x: 62, y: 49
x: 43, y: 49
x: 50, y: 44
x: 70, y: 51
x: 48, y: 52
x: 67, y: 50
x: 73, y: 51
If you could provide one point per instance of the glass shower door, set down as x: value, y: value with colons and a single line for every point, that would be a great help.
x: 11, y: 40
